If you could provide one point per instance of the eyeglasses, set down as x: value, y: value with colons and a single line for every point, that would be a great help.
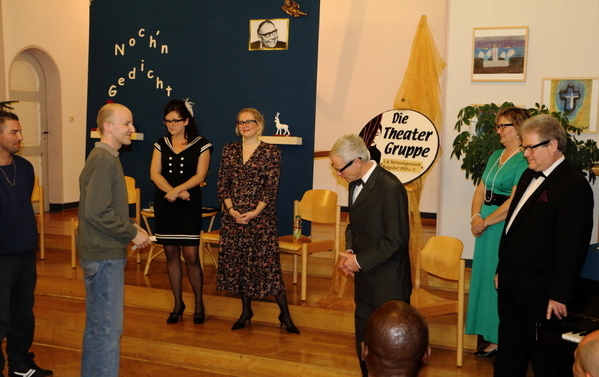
x: 174, y: 122
x: 502, y: 126
x: 248, y: 122
x: 269, y: 34
x: 346, y: 166
x: 531, y: 148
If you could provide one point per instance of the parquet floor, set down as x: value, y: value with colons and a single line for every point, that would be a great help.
x: 65, y: 361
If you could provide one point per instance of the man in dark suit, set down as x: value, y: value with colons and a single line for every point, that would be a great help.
x: 542, y: 249
x: 378, y: 234
x: 268, y: 37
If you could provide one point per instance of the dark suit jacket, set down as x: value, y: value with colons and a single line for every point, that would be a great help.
x: 542, y: 254
x: 256, y: 46
x: 379, y: 233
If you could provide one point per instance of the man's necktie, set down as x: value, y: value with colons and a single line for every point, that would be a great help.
x: 359, y: 182
x: 538, y: 174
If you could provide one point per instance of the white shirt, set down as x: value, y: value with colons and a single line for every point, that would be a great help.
x: 532, y: 186
x: 358, y: 188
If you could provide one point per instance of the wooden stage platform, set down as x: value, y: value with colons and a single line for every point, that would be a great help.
x: 150, y: 347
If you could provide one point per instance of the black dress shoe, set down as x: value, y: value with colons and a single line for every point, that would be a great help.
x: 484, y: 353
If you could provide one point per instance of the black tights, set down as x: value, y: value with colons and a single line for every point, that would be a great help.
x: 194, y: 272
x: 246, y: 313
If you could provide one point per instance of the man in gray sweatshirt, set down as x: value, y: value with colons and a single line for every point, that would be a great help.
x: 103, y: 234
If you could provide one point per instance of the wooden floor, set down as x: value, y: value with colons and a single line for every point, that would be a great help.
x: 150, y: 347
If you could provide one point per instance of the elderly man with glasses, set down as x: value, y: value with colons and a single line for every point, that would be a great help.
x: 378, y: 233
x: 268, y: 37
x: 542, y: 248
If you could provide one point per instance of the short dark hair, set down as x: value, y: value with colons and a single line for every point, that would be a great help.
x: 396, y: 338
x: 516, y: 114
x: 4, y: 116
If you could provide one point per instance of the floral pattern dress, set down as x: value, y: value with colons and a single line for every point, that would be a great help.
x: 249, y: 253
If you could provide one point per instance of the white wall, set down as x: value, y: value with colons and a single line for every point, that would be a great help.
x: 61, y: 30
x: 563, y: 42
x: 363, y: 51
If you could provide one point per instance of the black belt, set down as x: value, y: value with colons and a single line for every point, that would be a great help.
x: 493, y: 199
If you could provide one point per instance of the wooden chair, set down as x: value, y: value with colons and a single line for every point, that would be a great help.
x: 133, y: 197
x: 211, y: 237
x: 38, y: 196
x: 319, y: 206
x: 441, y: 257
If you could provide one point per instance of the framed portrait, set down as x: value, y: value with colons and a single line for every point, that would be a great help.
x: 269, y: 34
x: 499, y: 54
x: 576, y: 98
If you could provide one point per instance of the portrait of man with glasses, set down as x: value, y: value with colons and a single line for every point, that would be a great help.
x: 268, y: 33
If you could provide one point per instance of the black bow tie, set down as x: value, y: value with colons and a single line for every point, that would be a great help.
x: 538, y: 174
x: 359, y: 182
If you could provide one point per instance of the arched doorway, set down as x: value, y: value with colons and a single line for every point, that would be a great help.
x: 34, y: 82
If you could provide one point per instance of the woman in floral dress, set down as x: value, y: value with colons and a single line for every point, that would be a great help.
x: 248, y: 183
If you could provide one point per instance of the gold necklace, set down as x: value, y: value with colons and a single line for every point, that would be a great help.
x: 15, y: 176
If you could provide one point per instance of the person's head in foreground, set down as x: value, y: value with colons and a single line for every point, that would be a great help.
x: 586, y: 357
x: 396, y: 341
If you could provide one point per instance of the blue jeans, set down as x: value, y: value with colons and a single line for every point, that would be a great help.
x: 105, y: 290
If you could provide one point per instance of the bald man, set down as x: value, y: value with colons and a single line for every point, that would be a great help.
x: 104, y: 232
x: 586, y: 357
x: 396, y: 341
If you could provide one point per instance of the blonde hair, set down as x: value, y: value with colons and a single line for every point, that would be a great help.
x: 257, y: 116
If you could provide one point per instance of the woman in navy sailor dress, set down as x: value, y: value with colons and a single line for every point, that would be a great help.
x: 179, y: 164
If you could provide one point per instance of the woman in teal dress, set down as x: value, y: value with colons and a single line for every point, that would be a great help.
x: 490, y: 204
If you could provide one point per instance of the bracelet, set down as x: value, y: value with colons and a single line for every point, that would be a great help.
x: 476, y: 214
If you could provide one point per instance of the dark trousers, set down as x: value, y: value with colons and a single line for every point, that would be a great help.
x: 517, y: 340
x: 17, y: 282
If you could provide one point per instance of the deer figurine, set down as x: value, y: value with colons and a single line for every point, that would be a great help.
x: 282, y: 129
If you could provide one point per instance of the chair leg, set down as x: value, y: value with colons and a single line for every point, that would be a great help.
x: 304, y: 271
x: 294, y: 269
x: 42, y: 238
x: 74, y: 225
x: 151, y: 257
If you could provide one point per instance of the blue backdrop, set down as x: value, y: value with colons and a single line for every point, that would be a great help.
x: 144, y: 53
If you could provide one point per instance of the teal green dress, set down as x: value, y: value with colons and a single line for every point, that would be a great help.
x: 482, y: 318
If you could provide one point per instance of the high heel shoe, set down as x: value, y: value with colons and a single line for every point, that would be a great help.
x: 290, y: 329
x: 198, y: 318
x: 241, y: 323
x: 175, y: 317
x: 484, y: 353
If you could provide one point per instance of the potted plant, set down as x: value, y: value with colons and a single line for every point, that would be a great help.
x: 474, y: 149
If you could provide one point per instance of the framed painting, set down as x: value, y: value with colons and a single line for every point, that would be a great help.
x: 499, y: 54
x: 576, y: 98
